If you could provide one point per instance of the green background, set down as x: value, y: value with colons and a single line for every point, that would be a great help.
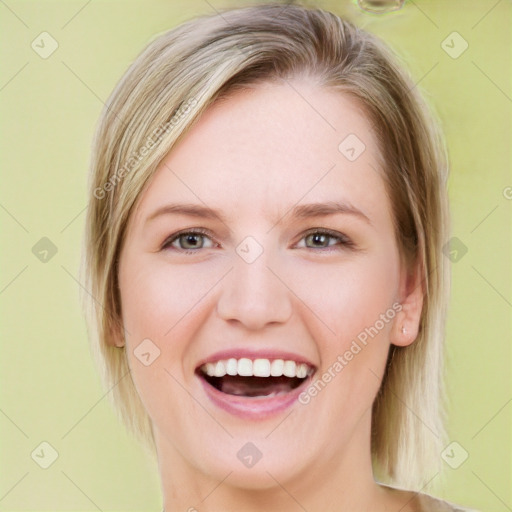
x: 50, y: 390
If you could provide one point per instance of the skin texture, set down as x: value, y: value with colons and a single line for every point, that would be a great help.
x: 254, y: 156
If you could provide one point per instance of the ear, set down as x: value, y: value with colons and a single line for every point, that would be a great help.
x: 411, y: 290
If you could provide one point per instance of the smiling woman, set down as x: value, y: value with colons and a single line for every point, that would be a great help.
x: 267, y: 272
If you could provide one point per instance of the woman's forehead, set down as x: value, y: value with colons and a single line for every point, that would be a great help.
x: 269, y: 148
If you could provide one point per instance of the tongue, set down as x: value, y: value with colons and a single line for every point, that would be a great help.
x: 256, y: 386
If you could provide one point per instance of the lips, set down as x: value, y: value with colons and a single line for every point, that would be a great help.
x: 254, y: 384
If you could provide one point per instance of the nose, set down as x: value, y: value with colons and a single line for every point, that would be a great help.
x: 253, y: 295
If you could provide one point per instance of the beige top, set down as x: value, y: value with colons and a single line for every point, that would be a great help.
x: 425, y: 503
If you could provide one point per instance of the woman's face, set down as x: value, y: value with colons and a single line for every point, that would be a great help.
x: 257, y: 292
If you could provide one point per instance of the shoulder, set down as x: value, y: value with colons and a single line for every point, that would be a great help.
x: 420, y: 502
x: 426, y: 503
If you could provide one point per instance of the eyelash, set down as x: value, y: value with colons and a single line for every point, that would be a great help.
x: 343, y: 240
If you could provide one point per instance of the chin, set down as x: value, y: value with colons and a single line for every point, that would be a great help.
x: 252, y: 465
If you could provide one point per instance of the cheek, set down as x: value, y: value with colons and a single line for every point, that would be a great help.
x: 350, y: 296
x: 355, y: 299
x: 158, y: 297
x: 161, y: 308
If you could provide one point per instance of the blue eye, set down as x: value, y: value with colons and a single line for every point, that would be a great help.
x: 189, y: 241
x: 323, y: 239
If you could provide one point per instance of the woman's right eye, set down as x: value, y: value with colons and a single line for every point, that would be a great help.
x: 189, y: 241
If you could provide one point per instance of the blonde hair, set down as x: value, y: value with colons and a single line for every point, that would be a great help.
x: 164, y: 92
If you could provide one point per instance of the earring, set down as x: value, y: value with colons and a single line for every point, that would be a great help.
x: 404, y: 330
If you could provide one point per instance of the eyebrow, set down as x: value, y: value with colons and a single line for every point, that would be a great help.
x: 328, y: 208
x: 302, y: 211
x: 192, y: 210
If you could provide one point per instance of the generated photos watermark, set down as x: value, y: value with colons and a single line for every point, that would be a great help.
x: 357, y: 345
x: 152, y: 140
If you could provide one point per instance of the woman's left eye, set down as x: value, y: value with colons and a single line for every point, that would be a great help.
x: 323, y: 239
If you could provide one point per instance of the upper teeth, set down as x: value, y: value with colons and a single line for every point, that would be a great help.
x: 245, y: 367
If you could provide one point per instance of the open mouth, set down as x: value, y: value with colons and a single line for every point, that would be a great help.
x: 255, y: 378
